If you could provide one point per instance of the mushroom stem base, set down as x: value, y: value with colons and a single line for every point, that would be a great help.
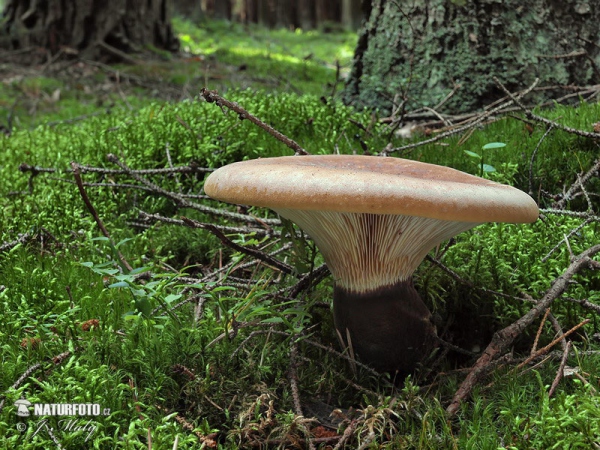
x: 390, y: 327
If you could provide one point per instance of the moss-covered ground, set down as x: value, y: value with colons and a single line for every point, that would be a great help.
x: 180, y: 355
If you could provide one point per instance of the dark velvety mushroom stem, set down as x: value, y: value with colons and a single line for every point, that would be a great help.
x: 390, y: 327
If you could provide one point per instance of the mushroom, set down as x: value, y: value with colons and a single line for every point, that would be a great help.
x: 374, y: 219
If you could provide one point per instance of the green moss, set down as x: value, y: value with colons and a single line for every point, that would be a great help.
x: 239, y: 390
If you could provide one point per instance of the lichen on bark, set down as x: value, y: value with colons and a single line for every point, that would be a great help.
x: 418, y: 51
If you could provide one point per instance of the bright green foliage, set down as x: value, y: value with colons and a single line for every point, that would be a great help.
x: 299, y: 62
x: 152, y: 355
x: 565, y: 421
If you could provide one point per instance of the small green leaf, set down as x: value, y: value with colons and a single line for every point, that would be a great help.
x: 488, y: 168
x: 273, y: 320
x: 143, y: 306
x: 118, y: 244
x: 223, y: 288
x: 492, y: 145
x: 473, y: 154
x: 172, y: 297
x: 139, y: 270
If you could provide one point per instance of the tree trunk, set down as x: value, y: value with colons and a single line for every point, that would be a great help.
x: 284, y: 12
x: 351, y: 14
x: 189, y: 9
x: 417, y: 52
x: 222, y: 9
x: 306, y: 14
x: 328, y: 11
x: 266, y: 13
x: 94, y: 29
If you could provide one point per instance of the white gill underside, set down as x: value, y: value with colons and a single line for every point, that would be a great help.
x: 367, y: 251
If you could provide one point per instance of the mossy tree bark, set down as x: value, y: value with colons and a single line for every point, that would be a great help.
x: 419, y: 51
x: 93, y: 28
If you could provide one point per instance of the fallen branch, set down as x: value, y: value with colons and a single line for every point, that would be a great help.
x: 505, y: 337
x: 485, y: 115
x: 542, y: 351
x: 578, y: 185
x: 21, y: 380
x: 214, y: 97
x: 561, y: 370
x: 531, y: 116
x: 22, y: 239
x: 183, y: 202
x: 293, y: 379
x: 255, y: 253
x: 144, y: 216
x: 95, y: 215
x: 564, y: 212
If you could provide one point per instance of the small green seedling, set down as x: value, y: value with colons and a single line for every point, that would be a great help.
x: 485, y: 168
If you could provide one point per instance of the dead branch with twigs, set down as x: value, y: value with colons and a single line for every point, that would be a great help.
x: 505, y: 337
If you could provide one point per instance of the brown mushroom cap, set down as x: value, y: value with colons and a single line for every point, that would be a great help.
x: 369, y: 184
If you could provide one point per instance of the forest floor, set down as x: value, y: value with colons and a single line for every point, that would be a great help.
x: 192, y: 323
x: 218, y: 55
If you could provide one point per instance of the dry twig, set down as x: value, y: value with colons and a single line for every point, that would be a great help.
x: 531, y: 116
x: 480, y: 119
x: 183, y: 202
x: 214, y: 97
x: 578, y: 185
x: 22, y: 239
x: 254, y: 252
x: 293, y: 378
x: 546, y: 349
x: 561, y: 370
x: 21, y: 380
x: 95, y: 215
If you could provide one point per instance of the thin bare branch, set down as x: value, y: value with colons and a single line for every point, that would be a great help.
x: 542, y: 351
x: 578, y: 185
x: 533, y: 155
x: 485, y: 115
x: 255, y: 253
x: 184, y: 203
x: 95, y: 215
x: 530, y: 115
x: 561, y: 370
x: 214, y: 97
